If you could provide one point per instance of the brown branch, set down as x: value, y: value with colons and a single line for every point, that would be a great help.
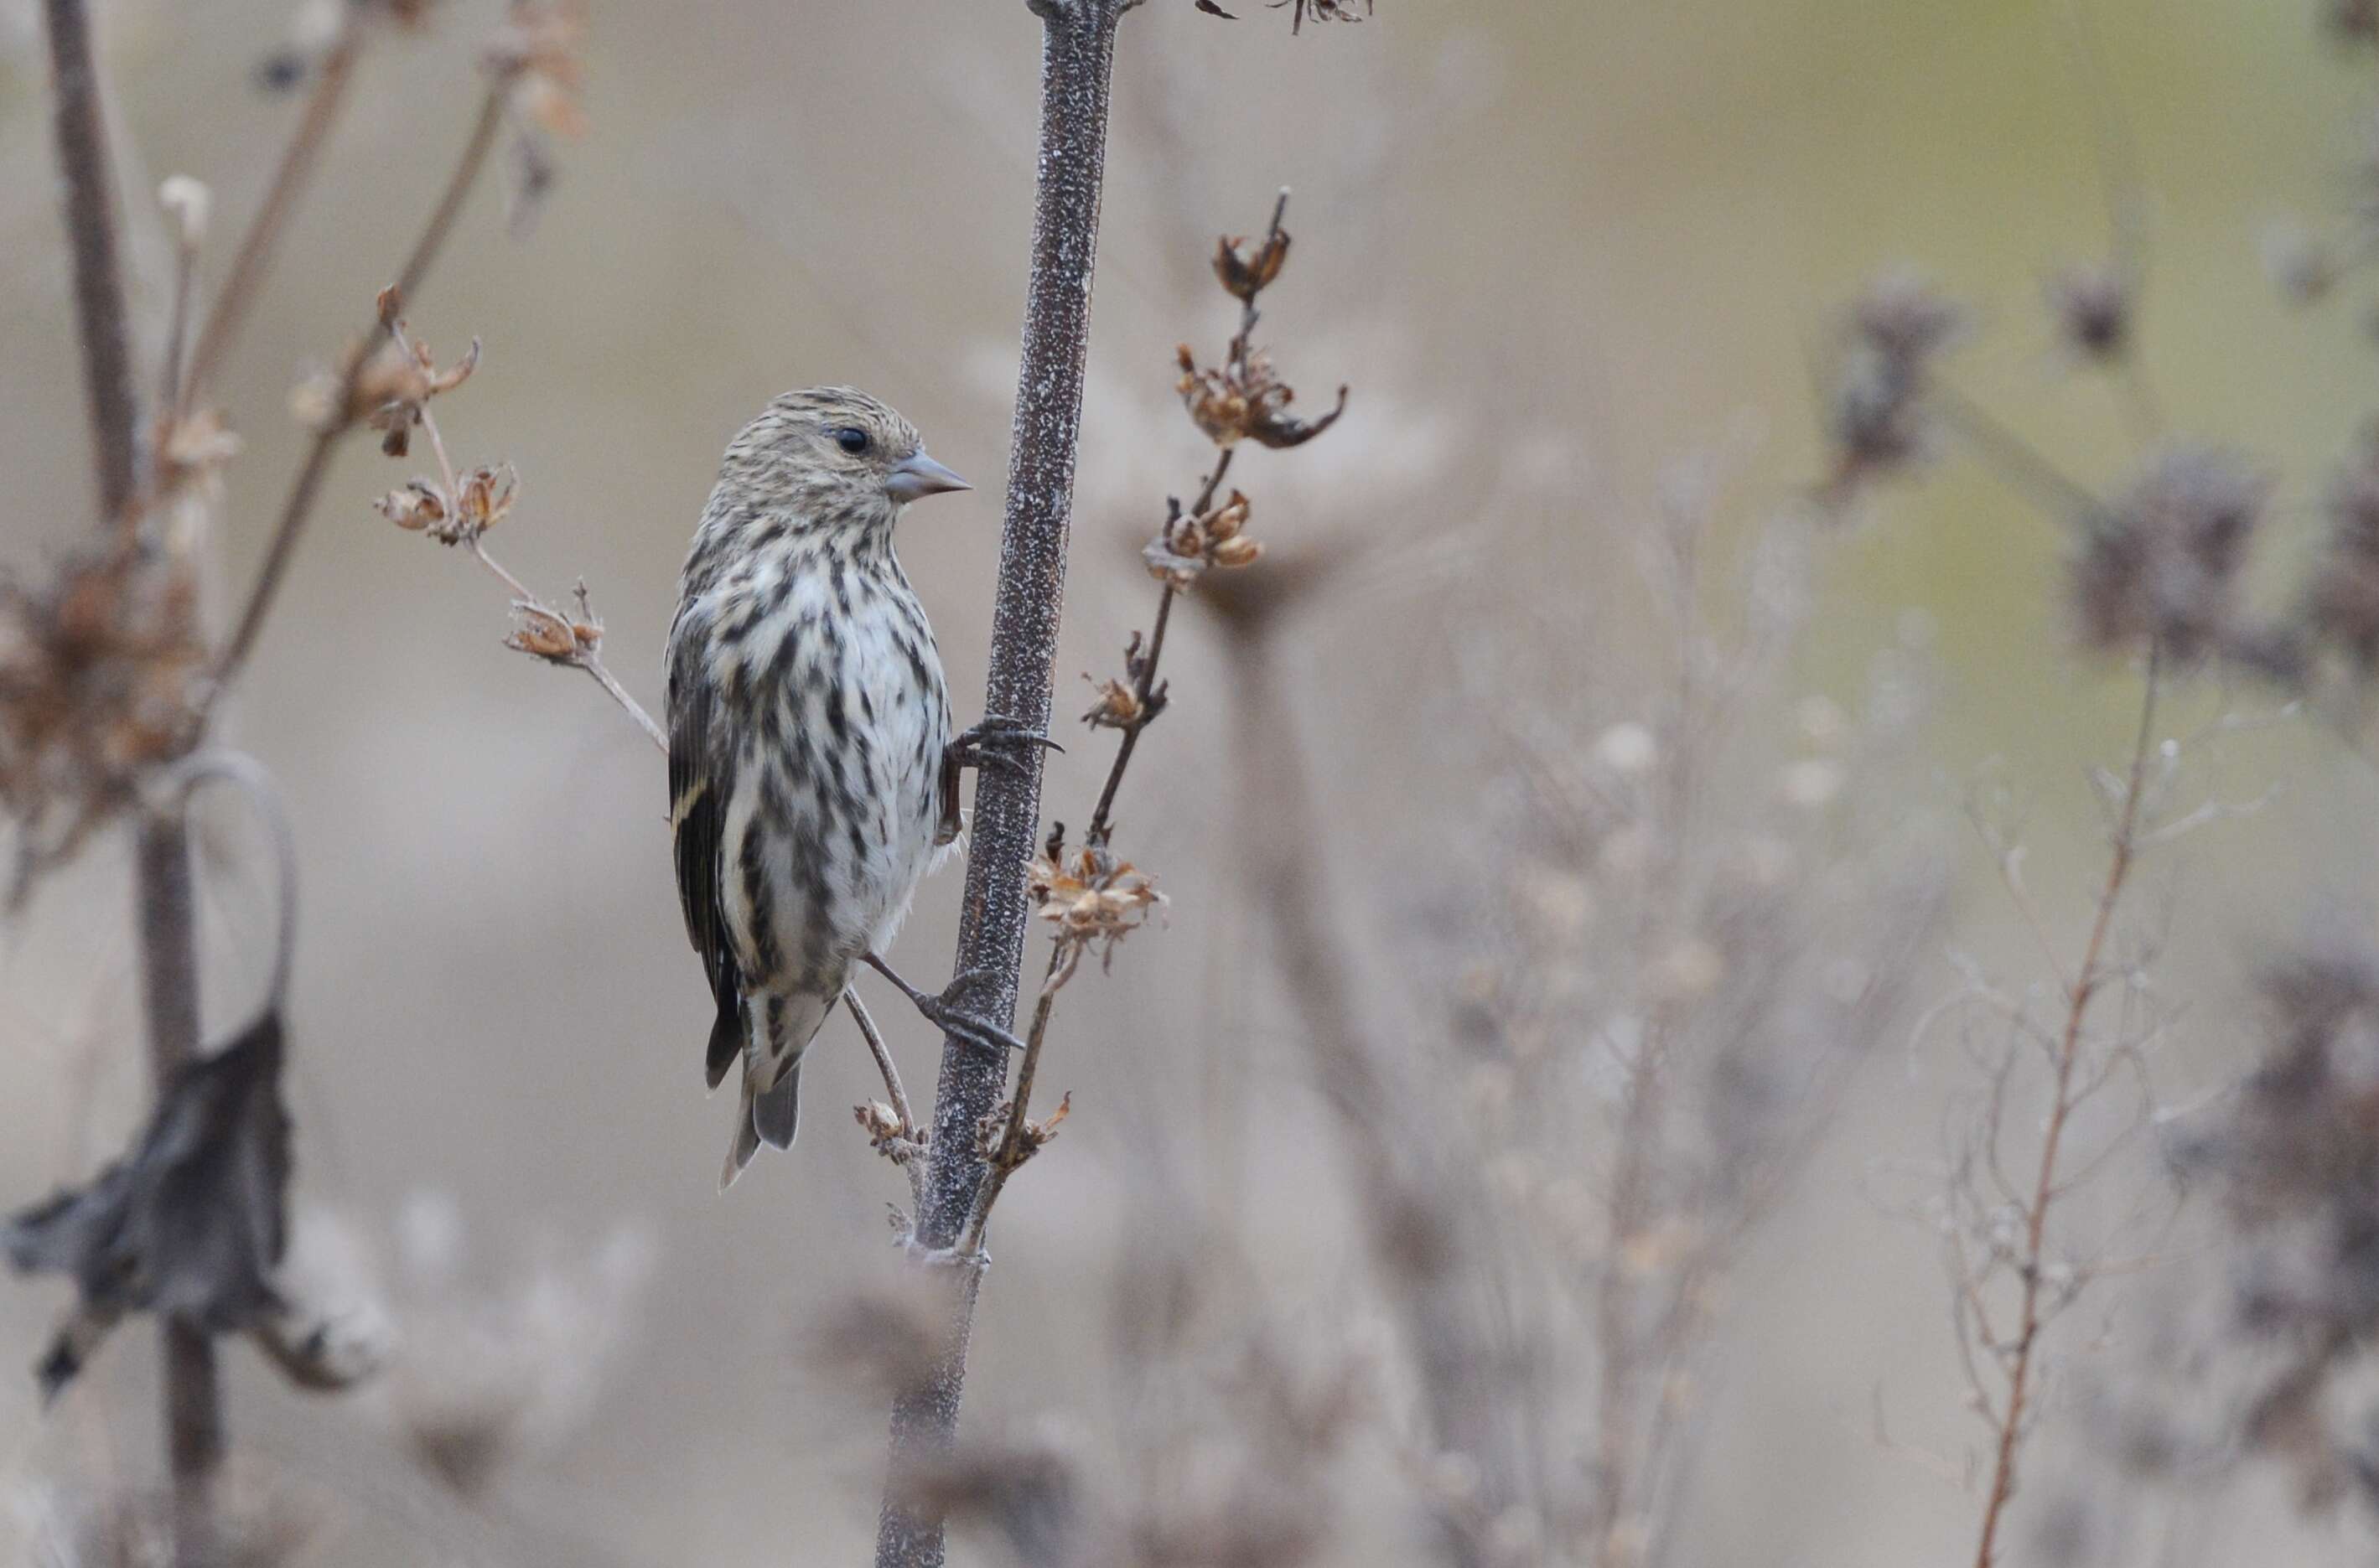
x: 1146, y: 705
x: 1013, y: 1148
x: 2087, y: 980
x: 342, y: 416
x: 271, y: 221
x: 88, y: 181
x: 1077, y: 62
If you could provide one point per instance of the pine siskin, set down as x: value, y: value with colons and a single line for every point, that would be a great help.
x: 811, y: 758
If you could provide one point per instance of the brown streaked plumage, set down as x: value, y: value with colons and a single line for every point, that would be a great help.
x: 808, y: 728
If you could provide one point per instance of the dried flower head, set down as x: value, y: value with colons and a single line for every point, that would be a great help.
x: 419, y: 507
x: 1091, y: 899
x: 2341, y: 606
x: 2163, y: 561
x: 392, y: 394
x: 1189, y: 546
x: 536, y: 52
x: 1117, y: 707
x: 1891, y: 335
x: 991, y: 1134
x: 194, y: 449
x: 2091, y: 304
x: 492, y: 1372
x: 541, y: 634
x: 1246, y: 272
x: 101, y: 670
x: 2299, y: 1169
x: 1243, y: 400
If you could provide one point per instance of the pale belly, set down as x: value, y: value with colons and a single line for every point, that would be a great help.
x: 832, y: 821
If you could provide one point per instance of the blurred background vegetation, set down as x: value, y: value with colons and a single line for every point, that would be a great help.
x: 1554, y: 248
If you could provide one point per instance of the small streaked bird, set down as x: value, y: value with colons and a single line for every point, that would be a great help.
x: 813, y: 774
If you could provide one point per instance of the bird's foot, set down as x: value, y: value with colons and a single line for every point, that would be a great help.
x: 944, y: 1012
x: 977, y: 1259
x: 997, y: 743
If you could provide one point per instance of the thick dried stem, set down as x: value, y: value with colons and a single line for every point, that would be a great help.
x: 98, y: 282
x: 165, y: 908
x: 1078, y: 58
x: 169, y: 969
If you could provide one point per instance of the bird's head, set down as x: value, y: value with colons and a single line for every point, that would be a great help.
x: 833, y: 458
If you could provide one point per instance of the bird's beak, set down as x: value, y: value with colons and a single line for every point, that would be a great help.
x: 921, y: 475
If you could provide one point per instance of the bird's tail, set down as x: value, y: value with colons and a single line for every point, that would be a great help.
x: 771, y: 1106
x: 770, y: 1115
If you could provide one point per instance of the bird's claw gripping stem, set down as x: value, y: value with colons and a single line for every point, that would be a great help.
x: 944, y: 1012
x: 995, y: 742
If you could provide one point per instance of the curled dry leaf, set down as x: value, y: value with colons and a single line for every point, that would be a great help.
x: 191, y: 1223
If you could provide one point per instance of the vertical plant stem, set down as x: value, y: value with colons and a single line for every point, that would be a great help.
x: 166, y: 911
x: 2086, y: 980
x: 1077, y: 61
x: 169, y: 969
x: 91, y: 230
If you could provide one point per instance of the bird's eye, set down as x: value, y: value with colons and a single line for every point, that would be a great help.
x: 852, y: 439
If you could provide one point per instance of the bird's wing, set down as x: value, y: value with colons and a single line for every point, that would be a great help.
x: 702, y: 765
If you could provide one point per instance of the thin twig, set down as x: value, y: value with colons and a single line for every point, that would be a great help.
x: 271, y: 221
x: 341, y: 419
x: 2020, y: 463
x: 2087, y: 980
x: 1144, y: 712
x: 904, y: 1147
x: 583, y: 655
x: 177, y: 331
x: 884, y: 1063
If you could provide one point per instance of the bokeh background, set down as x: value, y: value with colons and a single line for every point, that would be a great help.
x: 1554, y: 248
